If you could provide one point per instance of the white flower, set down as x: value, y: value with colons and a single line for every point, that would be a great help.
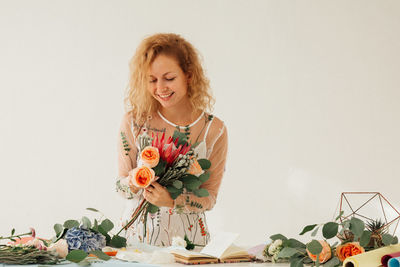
x: 278, y: 243
x: 273, y: 250
x: 178, y: 241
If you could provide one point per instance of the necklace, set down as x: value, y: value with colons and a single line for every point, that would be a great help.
x: 178, y: 126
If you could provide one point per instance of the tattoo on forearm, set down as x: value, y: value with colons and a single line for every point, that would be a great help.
x: 138, y: 127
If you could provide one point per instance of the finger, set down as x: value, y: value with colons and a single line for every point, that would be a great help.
x: 147, y: 195
x: 156, y: 185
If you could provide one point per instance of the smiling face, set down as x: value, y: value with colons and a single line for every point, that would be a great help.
x: 168, y: 83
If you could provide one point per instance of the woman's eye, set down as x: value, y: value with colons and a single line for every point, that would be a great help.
x: 171, y: 79
x: 153, y: 81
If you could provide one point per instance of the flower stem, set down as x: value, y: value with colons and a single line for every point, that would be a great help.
x: 143, y: 205
x: 12, y: 236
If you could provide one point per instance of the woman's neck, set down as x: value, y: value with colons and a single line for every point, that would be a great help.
x: 180, y: 115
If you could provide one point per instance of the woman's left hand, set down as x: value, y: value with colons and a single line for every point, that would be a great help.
x: 158, y: 195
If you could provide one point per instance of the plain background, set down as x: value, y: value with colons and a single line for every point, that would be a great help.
x: 309, y: 91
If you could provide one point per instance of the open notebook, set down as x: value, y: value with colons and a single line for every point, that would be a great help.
x: 220, y: 249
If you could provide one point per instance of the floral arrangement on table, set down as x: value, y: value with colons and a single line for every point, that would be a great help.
x: 74, y: 241
x: 173, y: 163
x: 354, y: 237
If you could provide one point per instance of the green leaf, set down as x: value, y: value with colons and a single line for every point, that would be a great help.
x: 395, y: 240
x: 387, y: 239
x: 205, y: 164
x: 314, y: 247
x: 182, y: 137
x: 330, y: 230
x: 278, y: 236
x: 58, y: 228
x: 204, y: 177
x: 86, y: 222
x: 152, y: 208
x: 92, y: 209
x: 365, y: 238
x: 71, y: 223
x: 314, y: 233
x: 340, y: 215
x: 107, y: 225
x: 174, y: 192
x: 287, y: 252
x: 118, y: 241
x: 189, y: 244
x: 177, y: 184
x: 12, y: 231
x: 345, y: 225
x: 76, y: 255
x: 201, y: 192
x: 108, y: 239
x: 95, y: 226
x: 334, y: 262
x: 296, y: 262
x: 191, y: 182
x: 293, y: 243
x: 308, y: 228
x: 356, y: 227
x: 100, y: 254
x: 159, y: 170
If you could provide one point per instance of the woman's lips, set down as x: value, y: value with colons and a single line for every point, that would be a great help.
x: 165, y: 96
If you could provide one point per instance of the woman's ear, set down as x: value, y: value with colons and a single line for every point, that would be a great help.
x: 189, y: 77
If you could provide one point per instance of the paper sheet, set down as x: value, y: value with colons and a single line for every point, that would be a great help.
x: 371, y: 258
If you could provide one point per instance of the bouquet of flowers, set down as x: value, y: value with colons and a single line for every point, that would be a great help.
x: 173, y: 164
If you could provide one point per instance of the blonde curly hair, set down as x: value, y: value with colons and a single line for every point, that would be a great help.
x: 139, y: 101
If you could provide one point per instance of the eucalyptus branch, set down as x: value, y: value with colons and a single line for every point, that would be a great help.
x: 11, y: 237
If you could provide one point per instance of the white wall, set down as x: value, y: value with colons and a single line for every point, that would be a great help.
x: 309, y: 91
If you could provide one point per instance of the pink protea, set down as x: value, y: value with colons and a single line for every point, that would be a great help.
x: 167, y: 149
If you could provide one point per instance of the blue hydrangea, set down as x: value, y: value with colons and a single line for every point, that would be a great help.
x: 82, y: 238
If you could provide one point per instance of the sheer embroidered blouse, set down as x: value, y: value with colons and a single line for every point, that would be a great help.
x: 187, y: 217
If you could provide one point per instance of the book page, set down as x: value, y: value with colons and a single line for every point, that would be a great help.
x: 234, y: 251
x: 219, y: 244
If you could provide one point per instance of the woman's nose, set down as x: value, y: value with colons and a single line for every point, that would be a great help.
x: 161, y: 86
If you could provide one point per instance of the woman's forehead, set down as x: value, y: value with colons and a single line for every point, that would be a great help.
x: 162, y: 65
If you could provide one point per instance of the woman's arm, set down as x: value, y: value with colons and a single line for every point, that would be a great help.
x: 127, y: 153
x: 188, y: 203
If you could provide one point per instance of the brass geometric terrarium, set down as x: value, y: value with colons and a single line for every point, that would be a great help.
x: 373, y: 208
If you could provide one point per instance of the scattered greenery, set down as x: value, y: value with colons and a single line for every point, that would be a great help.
x: 347, y: 230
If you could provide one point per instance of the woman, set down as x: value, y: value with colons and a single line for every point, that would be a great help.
x: 167, y: 91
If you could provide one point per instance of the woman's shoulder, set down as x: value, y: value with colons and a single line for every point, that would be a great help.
x: 217, y: 126
x: 129, y: 122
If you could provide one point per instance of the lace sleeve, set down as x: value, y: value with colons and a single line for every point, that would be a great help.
x: 127, y: 153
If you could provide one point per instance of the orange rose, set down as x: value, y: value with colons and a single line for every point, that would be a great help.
x: 325, y: 254
x: 141, y: 177
x: 348, y: 250
x: 150, y: 156
x: 195, y: 168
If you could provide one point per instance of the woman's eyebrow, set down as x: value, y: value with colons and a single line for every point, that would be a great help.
x: 162, y: 75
